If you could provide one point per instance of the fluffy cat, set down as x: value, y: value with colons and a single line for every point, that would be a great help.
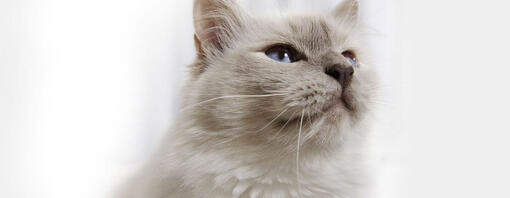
x: 274, y: 107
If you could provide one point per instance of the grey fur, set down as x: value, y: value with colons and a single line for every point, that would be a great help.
x: 236, y: 135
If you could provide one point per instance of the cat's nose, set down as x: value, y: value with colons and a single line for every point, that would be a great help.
x: 342, y: 74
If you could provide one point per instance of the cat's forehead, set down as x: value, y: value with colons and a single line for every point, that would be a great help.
x: 309, y: 34
x: 313, y: 34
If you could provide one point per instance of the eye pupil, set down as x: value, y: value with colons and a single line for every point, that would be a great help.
x: 282, y: 53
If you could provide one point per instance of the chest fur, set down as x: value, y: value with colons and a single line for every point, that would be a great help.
x: 326, y: 178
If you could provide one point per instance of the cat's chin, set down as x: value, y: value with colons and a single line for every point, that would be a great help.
x: 338, y: 108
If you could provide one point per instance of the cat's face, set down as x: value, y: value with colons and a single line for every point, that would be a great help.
x: 268, y: 77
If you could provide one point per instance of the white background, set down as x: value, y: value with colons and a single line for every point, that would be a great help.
x: 88, y: 87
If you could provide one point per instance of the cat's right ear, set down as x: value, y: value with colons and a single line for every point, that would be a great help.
x: 217, y: 23
x: 347, y: 13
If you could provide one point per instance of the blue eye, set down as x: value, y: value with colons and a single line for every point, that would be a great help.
x: 351, y: 57
x: 281, y: 53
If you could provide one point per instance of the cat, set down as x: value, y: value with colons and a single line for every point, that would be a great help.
x: 275, y: 106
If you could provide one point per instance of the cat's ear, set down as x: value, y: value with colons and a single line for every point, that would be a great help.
x: 217, y: 23
x: 347, y: 12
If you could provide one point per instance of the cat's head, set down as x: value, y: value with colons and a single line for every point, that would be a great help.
x: 267, y: 77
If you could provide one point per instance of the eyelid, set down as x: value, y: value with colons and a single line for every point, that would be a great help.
x: 350, y: 54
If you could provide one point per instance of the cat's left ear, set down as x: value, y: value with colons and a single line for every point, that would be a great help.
x: 347, y: 12
x: 217, y: 23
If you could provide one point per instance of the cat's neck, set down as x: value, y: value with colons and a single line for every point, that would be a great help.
x: 257, y: 148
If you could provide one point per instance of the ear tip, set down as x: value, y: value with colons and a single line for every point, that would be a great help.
x: 347, y: 11
x: 353, y: 3
x: 347, y: 6
x: 350, y: 3
x: 199, y: 8
x: 198, y: 5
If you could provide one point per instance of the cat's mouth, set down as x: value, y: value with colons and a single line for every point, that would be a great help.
x: 339, y: 105
x: 346, y: 100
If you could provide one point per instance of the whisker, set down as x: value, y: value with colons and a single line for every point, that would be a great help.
x: 382, y: 103
x: 272, y: 120
x: 281, y: 129
x: 230, y: 139
x: 298, y: 176
x: 230, y: 96
x: 313, y: 130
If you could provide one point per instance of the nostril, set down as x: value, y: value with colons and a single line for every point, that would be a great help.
x: 346, y: 80
x: 349, y: 71
x: 341, y: 74
x: 331, y: 71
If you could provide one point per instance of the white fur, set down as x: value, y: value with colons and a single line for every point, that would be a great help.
x: 253, y: 127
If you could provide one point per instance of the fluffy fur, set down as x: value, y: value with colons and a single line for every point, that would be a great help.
x: 254, y: 127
